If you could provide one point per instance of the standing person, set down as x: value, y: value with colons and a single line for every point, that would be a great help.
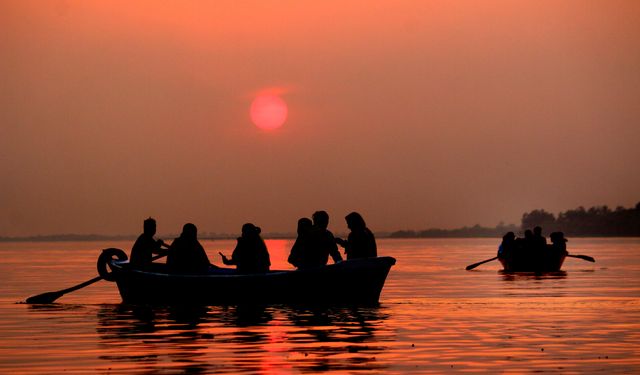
x: 251, y: 254
x: 361, y: 243
x: 321, y: 243
x: 299, y: 251
x: 145, y: 246
x: 186, y: 254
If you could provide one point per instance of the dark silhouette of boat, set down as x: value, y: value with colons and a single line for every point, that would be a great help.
x: 358, y: 281
x: 547, y: 261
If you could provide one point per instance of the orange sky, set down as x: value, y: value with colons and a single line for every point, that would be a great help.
x: 415, y: 113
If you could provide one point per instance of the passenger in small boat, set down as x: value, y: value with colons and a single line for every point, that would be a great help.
x: 526, y: 244
x: 361, y: 243
x: 145, y: 246
x: 300, y: 247
x: 558, y: 242
x: 251, y: 254
x: 186, y: 254
x: 539, y: 241
x: 321, y: 243
x: 508, y: 245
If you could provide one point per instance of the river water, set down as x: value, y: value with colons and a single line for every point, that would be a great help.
x: 433, y: 317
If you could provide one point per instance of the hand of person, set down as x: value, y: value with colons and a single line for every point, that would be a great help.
x: 224, y: 258
x: 340, y: 241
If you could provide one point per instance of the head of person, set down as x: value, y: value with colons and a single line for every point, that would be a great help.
x: 321, y: 219
x: 250, y: 230
x: 355, y: 221
x: 557, y: 238
x: 304, y: 226
x: 149, y: 226
x: 189, y: 232
x: 537, y: 231
x: 528, y: 234
x: 509, y: 237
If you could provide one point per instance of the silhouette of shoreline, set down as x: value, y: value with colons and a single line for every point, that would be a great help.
x: 598, y: 221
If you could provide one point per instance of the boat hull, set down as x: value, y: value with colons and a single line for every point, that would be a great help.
x: 357, y: 281
x: 546, y: 262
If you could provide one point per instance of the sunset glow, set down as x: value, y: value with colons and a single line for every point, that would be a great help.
x: 434, y: 100
x: 268, y: 111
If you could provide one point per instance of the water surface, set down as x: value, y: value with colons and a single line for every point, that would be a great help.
x: 433, y: 317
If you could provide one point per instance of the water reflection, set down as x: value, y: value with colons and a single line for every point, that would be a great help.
x: 335, y: 330
x: 234, y: 339
x: 144, y: 336
x: 521, y: 276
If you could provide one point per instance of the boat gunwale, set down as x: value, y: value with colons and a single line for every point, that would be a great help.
x: 121, y: 266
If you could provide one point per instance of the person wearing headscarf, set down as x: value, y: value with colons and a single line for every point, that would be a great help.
x: 186, y: 254
x: 251, y: 254
x: 361, y: 242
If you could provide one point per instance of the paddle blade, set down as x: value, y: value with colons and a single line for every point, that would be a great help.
x: 472, y: 266
x: 43, y: 298
x: 586, y: 257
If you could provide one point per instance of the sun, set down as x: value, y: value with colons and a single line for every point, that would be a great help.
x: 268, y: 111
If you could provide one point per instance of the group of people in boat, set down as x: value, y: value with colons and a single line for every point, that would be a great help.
x: 533, y: 244
x: 312, y: 248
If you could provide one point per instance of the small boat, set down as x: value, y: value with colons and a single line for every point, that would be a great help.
x: 358, y: 281
x: 545, y: 261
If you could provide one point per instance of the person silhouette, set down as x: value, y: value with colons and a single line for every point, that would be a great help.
x: 558, y: 242
x: 507, y: 247
x: 361, y: 242
x: 321, y: 243
x: 251, y: 254
x: 145, y: 246
x: 186, y: 254
x: 298, y: 254
x: 539, y: 241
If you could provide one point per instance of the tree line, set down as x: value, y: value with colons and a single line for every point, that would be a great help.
x: 598, y: 221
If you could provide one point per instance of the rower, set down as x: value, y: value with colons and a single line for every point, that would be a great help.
x: 558, y: 242
x: 145, y: 246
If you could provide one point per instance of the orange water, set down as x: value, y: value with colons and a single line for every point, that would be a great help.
x: 434, y: 317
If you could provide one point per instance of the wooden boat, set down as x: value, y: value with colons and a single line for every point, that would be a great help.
x: 358, y: 281
x: 544, y: 261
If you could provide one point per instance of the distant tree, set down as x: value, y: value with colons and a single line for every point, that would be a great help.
x: 539, y: 218
x: 595, y: 221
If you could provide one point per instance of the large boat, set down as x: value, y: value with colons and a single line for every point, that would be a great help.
x: 545, y: 261
x: 358, y: 281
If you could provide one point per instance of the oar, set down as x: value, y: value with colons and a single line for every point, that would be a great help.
x: 584, y: 257
x: 50, y: 297
x: 472, y: 266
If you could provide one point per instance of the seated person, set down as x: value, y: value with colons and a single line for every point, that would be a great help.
x: 297, y: 255
x: 251, y: 254
x: 507, y: 246
x: 361, y: 243
x: 558, y: 242
x: 145, y: 246
x: 320, y: 243
x: 186, y: 254
x: 539, y: 241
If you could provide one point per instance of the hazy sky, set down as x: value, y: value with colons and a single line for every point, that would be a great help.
x: 415, y: 113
